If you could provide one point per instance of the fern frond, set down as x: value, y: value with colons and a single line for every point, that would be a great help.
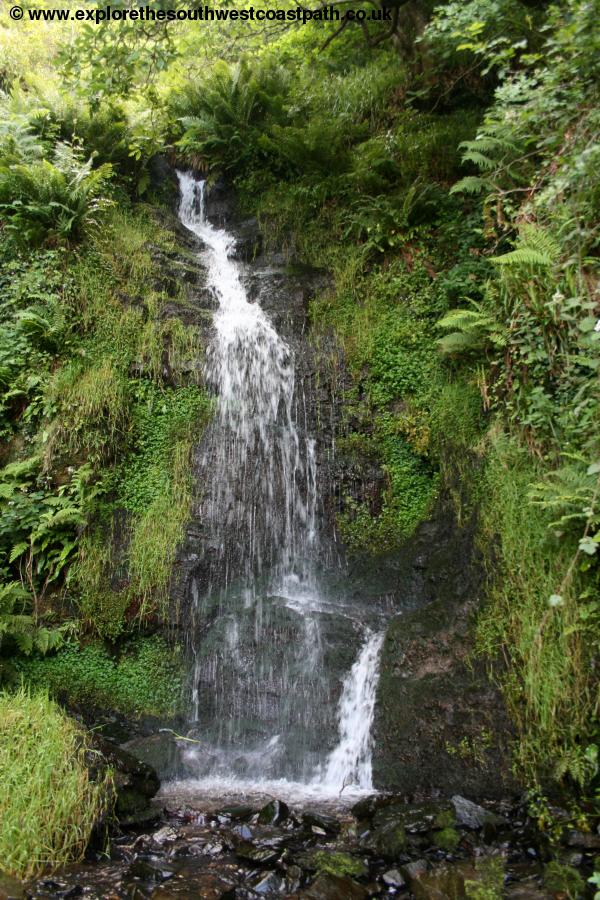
x: 523, y: 256
x: 471, y: 184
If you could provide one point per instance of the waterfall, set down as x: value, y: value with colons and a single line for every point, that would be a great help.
x: 261, y: 693
x: 350, y: 762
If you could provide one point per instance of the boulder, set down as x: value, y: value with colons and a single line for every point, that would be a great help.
x: 471, y: 815
x: 334, y: 887
x: 326, y: 824
x: 273, y: 813
x: 160, y: 751
x: 135, y: 783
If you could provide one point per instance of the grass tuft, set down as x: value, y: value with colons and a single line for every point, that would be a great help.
x: 48, y: 803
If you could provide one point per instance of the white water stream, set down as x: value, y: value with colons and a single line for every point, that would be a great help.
x: 260, y: 514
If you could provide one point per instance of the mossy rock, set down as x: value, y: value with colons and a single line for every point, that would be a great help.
x: 339, y: 864
x: 387, y: 841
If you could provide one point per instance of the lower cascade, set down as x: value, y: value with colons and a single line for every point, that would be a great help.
x: 266, y: 671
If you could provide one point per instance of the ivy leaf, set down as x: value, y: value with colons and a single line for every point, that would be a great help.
x: 588, y: 545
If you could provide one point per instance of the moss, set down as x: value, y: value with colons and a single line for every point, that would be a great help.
x: 338, y: 864
x: 447, y: 839
x: 389, y: 841
x: 446, y: 818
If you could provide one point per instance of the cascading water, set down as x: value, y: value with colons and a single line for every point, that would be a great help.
x: 261, y: 692
x: 350, y: 762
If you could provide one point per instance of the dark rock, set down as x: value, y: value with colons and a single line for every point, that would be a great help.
x: 239, y: 813
x: 149, y: 870
x: 162, y: 173
x: 327, y: 824
x: 414, y: 870
x: 387, y: 841
x: 416, y: 819
x: 587, y: 840
x: 471, y: 815
x: 135, y: 783
x: 293, y: 878
x: 160, y: 751
x: 366, y: 808
x: 430, y: 703
x: 258, y: 853
x: 273, y: 813
x: 445, y: 882
x: 271, y: 883
x: 335, y: 887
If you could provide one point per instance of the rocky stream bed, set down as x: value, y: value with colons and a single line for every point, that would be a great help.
x: 383, y: 845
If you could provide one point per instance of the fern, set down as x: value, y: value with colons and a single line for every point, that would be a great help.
x: 471, y: 184
x: 475, y: 330
x: 479, y: 159
x: 535, y: 247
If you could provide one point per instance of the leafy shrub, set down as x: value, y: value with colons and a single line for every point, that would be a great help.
x: 42, y: 757
x: 38, y: 539
x: 489, y: 884
x: 563, y: 879
x: 228, y: 115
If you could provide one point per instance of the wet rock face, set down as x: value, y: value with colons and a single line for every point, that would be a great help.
x: 440, y: 725
x: 231, y: 852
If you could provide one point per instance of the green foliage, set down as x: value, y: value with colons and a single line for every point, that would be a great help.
x: 550, y: 633
x: 144, y: 678
x: 38, y: 539
x: 90, y: 408
x: 489, y: 884
x: 43, y: 755
x: 20, y: 629
x: 125, y: 576
x: 473, y: 331
x: 229, y: 115
x: 34, y: 327
x: 563, y: 879
x: 45, y: 202
x: 486, y: 37
x: 104, y: 62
